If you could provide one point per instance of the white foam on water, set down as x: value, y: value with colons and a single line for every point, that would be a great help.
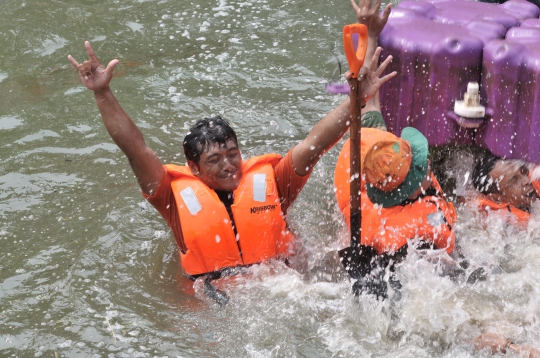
x: 9, y: 122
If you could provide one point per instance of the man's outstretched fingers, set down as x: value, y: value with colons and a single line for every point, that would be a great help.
x: 386, y: 13
x: 111, y: 66
x: 91, y: 52
x: 73, y: 62
x: 375, y: 59
x: 388, y: 76
x: 355, y: 7
x: 383, y: 66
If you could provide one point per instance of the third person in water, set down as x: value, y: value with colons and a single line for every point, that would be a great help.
x: 507, y: 187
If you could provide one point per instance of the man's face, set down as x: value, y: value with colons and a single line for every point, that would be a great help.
x: 514, y: 184
x: 220, y: 167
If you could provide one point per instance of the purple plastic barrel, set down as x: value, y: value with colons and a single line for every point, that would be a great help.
x: 437, y: 47
x: 511, y: 85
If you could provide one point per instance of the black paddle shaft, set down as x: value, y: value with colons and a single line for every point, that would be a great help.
x: 355, y: 142
x: 357, y: 258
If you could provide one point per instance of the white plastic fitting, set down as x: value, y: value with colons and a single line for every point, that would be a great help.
x: 470, y: 106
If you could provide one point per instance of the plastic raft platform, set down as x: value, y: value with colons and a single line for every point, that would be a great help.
x: 439, y: 46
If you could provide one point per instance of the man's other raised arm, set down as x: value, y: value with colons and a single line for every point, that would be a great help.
x: 367, y: 13
x: 333, y: 126
x: 145, y: 163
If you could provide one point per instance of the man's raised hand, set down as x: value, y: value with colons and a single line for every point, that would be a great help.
x: 369, y: 78
x: 367, y: 13
x: 93, y: 74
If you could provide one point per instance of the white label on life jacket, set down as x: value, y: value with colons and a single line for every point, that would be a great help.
x: 191, y: 201
x: 259, y: 187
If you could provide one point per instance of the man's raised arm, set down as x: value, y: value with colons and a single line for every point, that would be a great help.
x: 367, y: 13
x: 145, y: 163
x: 333, y: 126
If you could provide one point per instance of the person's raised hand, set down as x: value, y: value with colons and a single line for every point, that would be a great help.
x: 369, y: 78
x: 367, y: 13
x: 93, y: 74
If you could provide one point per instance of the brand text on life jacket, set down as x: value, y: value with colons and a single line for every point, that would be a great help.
x: 260, y: 209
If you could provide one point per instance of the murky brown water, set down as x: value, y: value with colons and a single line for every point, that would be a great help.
x: 88, y: 269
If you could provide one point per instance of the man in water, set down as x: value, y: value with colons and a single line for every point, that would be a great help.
x: 402, y: 204
x: 411, y: 205
x: 508, y: 186
x: 224, y: 212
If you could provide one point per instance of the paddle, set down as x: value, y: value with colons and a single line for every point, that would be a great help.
x: 356, y: 259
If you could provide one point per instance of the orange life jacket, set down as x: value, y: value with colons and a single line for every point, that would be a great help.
x: 485, y: 204
x: 207, y: 228
x: 430, y: 219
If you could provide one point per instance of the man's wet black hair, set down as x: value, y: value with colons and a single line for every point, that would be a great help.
x: 481, y: 177
x: 205, y: 132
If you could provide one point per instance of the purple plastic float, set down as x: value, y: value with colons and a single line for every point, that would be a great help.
x: 439, y: 46
x: 511, y: 85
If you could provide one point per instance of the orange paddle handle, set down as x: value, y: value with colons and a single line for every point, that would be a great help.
x: 355, y: 58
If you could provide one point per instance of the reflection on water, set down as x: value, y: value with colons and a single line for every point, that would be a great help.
x: 88, y: 269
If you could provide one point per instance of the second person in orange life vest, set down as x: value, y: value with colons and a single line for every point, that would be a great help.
x: 402, y: 203
x: 224, y: 211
